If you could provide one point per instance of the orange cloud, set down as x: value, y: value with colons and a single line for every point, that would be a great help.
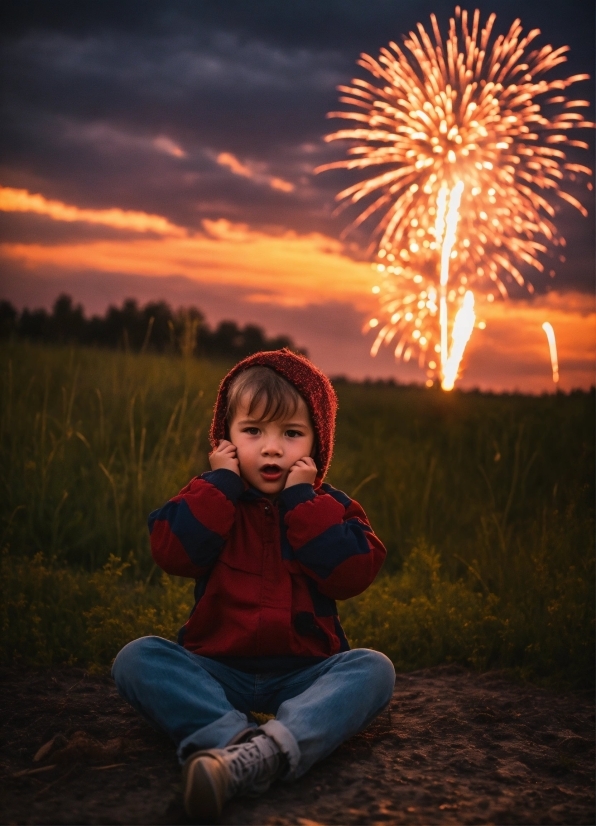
x: 233, y: 164
x: 287, y: 268
x: 20, y: 200
x: 279, y: 183
x: 248, y: 171
x: 168, y: 146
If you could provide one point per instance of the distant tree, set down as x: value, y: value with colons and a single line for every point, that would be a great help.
x: 122, y: 327
x: 220, y: 342
x: 67, y: 324
x: 279, y: 342
x: 231, y: 342
x: 155, y: 326
x: 35, y: 324
x: 8, y: 319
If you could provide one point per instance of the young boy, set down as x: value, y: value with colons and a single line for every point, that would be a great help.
x: 271, y: 548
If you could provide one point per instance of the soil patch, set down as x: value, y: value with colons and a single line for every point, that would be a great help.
x: 455, y: 747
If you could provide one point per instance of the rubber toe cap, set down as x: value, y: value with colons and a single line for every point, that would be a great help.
x: 205, y: 783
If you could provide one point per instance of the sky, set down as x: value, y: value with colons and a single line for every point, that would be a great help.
x: 166, y: 150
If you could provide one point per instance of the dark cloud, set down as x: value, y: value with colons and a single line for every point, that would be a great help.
x: 347, y: 25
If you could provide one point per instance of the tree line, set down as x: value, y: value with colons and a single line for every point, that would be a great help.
x: 156, y: 327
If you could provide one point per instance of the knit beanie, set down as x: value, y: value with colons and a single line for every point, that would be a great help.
x: 314, y: 387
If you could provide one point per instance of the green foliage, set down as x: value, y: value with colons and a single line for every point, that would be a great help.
x: 53, y: 615
x: 419, y: 618
x: 485, y: 503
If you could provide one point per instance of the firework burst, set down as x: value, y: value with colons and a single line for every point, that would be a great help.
x: 471, y: 143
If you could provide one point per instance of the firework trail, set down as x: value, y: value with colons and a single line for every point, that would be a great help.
x: 471, y: 143
x: 552, y: 346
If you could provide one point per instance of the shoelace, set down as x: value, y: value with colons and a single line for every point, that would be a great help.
x: 253, y: 765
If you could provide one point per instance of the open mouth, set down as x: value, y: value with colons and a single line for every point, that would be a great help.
x: 271, y: 473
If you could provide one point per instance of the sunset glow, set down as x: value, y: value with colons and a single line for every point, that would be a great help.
x: 288, y: 269
x: 291, y: 272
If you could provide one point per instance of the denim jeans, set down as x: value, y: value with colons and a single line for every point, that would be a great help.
x: 203, y: 704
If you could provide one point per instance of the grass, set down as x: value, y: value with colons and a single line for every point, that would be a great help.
x: 485, y: 503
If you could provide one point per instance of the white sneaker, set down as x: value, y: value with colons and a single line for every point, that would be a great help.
x: 210, y: 778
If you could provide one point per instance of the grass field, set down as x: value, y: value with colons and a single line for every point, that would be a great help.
x: 485, y: 503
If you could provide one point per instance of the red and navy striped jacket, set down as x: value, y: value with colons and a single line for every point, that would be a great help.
x: 267, y: 572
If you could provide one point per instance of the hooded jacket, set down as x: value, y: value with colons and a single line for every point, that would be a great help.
x: 268, y: 572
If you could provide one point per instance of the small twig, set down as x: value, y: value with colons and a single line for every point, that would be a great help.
x: 25, y: 772
x: 102, y: 768
x: 43, y: 750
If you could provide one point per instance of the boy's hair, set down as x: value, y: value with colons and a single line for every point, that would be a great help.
x: 263, y: 385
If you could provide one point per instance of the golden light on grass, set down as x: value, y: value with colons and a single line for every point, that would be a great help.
x: 552, y: 347
x: 466, y: 122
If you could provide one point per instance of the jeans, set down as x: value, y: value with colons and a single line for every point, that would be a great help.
x: 203, y: 704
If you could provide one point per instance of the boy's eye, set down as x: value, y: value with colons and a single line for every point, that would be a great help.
x: 252, y: 431
x: 293, y: 433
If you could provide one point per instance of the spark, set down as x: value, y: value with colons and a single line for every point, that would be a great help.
x: 468, y: 126
x: 552, y: 346
x: 461, y: 332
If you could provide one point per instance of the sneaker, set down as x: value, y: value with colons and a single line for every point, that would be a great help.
x: 210, y: 778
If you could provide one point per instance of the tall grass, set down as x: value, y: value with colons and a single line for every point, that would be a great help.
x: 91, y: 441
x: 485, y: 504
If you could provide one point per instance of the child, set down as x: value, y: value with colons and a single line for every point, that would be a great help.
x: 271, y: 548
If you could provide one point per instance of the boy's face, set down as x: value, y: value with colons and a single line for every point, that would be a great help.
x: 267, y: 450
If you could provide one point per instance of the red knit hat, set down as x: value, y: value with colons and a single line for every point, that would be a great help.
x: 313, y: 385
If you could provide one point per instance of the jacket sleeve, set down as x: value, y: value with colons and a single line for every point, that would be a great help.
x: 332, y: 540
x: 188, y: 532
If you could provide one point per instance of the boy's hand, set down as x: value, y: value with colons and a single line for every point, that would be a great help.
x: 224, y: 457
x: 302, y: 471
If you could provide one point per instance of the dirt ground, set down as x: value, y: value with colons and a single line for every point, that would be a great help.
x: 456, y: 747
